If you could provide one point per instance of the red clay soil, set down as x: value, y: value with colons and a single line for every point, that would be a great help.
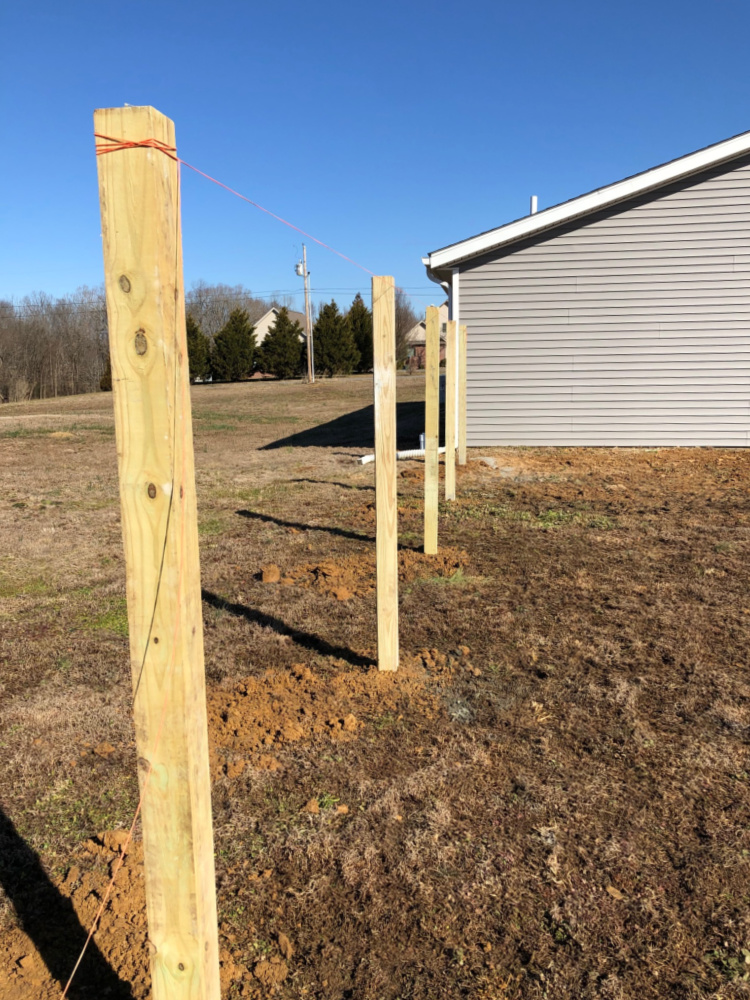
x: 246, y: 724
x: 355, y: 576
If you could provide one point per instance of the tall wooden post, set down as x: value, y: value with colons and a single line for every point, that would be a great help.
x: 431, y: 430
x: 386, y: 509
x: 462, y: 337
x: 450, y: 410
x: 140, y: 209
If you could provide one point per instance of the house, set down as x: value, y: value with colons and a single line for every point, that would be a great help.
x: 416, y: 338
x: 267, y: 320
x: 621, y: 317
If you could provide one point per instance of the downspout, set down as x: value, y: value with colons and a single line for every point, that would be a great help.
x: 451, y: 288
x: 444, y: 283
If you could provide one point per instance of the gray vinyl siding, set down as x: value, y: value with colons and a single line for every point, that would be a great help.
x: 630, y: 327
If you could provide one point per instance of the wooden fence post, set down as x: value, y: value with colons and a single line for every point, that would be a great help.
x: 139, y: 195
x: 432, y: 430
x: 386, y: 503
x: 462, y: 337
x: 450, y: 410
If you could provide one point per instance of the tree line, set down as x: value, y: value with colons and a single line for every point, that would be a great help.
x: 59, y: 346
x: 52, y: 347
x: 342, y: 343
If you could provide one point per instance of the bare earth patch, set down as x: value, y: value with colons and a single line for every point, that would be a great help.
x: 550, y: 799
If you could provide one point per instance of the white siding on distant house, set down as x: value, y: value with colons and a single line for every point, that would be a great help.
x: 628, y: 327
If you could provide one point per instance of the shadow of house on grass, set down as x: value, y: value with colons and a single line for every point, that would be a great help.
x: 50, y: 921
x: 357, y: 430
x: 305, y: 639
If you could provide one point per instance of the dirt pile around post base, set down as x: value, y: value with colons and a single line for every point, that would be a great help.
x: 280, y: 707
x: 54, y: 939
x: 355, y: 575
x: 259, y: 715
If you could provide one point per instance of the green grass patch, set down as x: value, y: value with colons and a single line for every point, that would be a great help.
x: 68, y: 814
x: 36, y: 432
x: 210, y: 526
x: 107, y: 429
x: 27, y: 432
x: 113, y: 618
x: 547, y: 519
x: 26, y: 588
x: 218, y: 420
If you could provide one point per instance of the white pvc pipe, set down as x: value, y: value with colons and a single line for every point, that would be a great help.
x: 413, y: 453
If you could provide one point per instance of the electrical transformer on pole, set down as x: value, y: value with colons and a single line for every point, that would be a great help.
x: 302, y: 272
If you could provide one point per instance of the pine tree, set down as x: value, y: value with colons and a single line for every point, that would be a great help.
x: 234, y: 348
x: 359, y: 320
x: 334, y: 347
x: 199, y: 349
x: 281, y: 351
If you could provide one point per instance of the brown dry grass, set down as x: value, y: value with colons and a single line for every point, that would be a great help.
x: 563, y: 811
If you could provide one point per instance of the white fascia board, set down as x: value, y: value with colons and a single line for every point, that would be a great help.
x: 588, y: 203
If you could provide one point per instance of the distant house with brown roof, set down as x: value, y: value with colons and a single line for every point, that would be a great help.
x: 268, y: 319
x: 416, y: 339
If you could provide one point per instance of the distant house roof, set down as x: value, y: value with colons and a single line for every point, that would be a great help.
x: 418, y: 333
x: 266, y: 321
x: 720, y: 152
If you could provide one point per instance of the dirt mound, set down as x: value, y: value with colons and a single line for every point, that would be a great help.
x: 355, y: 575
x: 415, y: 475
x: 24, y: 966
x: 259, y: 714
x: 285, y: 706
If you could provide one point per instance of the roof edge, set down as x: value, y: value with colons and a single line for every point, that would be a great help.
x: 611, y: 194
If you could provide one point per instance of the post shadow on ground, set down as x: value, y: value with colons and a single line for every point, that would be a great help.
x: 331, y: 482
x: 267, y: 519
x: 255, y: 515
x: 50, y: 921
x: 357, y: 430
x: 305, y: 639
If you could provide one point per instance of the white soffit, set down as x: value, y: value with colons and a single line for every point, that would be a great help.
x: 657, y: 177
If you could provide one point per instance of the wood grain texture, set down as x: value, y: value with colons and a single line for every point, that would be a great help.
x: 139, y: 196
x: 384, y: 378
x: 462, y: 338
x: 450, y: 410
x: 431, y: 429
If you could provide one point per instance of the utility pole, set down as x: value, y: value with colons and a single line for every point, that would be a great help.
x: 301, y: 270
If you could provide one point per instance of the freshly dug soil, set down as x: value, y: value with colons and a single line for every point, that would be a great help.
x: 259, y: 714
x: 355, y: 576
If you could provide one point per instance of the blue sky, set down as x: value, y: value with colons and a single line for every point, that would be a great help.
x: 386, y: 130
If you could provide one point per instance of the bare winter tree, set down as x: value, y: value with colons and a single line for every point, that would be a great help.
x: 52, y: 347
x: 211, y: 305
x: 58, y: 346
x: 406, y: 318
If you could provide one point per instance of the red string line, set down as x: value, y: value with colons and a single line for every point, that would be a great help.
x: 114, y: 145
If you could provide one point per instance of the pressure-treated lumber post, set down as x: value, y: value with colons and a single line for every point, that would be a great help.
x: 462, y: 337
x: 139, y: 195
x: 450, y: 410
x: 431, y: 430
x: 386, y: 510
